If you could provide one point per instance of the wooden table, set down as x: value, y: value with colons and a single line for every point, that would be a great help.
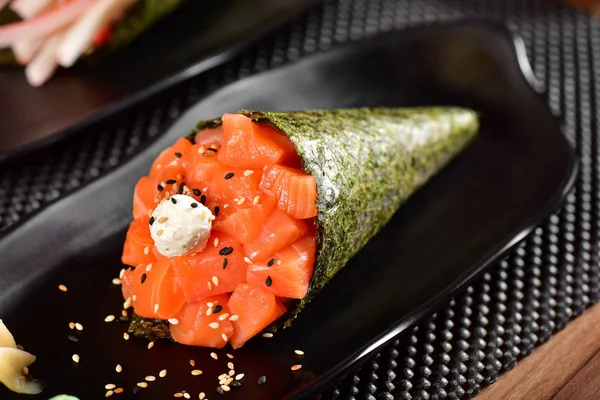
x: 565, y: 368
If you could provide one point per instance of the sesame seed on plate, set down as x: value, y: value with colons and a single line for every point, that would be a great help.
x: 78, y: 326
x: 296, y: 367
x: 127, y: 303
x: 124, y: 313
x: 248, y: 172
x: 214, y: 355
x: 256, y: 200
x: 162, y: 373
x: 223, y: 317
x: 155, y: 308
x: 267, y: 335
x: 109, y: 318
x: 75, y: 358
x: 220, y: 390
x: 150, y: 345
x: 247, y: 260
x: 125, y: 335
x: 202, y: 396
x: 230, y: 355
x: 239, y: 377
x: 71, y: 325
x: 214, y: 325
x: 215, y: 280
x: 62, y: 288
x: 143, y: 385
x: 110, y: 386
x: 149, y: 267
x: 222, y: 377
x: 178, y: 395
x: 150, y: 378
x: 187, y: 396
x: 109, y: 393
x: 173, y: 321
x: 146, y: 250
x: 216, y: 242
x: 224, y: 336
x: 118, y: 390
x: 118, y: 368
x: 299, y: 352
x: 192, y: 363
x: 230, y: 365
x: 121, y: 273
x: 234, y: 318
x: 225, y: 388
x: 262, y: 380
x: 196, y: 372
x: 116, y: 281
x: 73, y: 339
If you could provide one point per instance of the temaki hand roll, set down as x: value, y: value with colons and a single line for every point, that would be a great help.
x: 239, y: 225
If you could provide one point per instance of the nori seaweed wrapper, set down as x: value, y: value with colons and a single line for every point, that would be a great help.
x: 143, y: 15
x: 367, y: 162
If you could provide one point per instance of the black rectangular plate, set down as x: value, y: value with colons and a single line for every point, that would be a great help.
x: 199, y: 35
x: 491, y: 196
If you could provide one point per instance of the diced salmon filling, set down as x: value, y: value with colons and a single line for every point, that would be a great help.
x: 262, y: 245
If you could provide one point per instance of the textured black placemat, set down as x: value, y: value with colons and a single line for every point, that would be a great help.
x: 518, y: 304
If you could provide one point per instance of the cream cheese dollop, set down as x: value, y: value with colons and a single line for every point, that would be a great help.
x: 180, y: 225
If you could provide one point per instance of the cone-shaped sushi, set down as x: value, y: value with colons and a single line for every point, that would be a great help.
x: 241, y: 223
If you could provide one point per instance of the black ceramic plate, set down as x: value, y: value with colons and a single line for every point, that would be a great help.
x: 196, y: 37
x: 491, y: 196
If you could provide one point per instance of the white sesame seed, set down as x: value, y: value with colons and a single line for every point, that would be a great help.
x: 231, y: 373
x: 110, y: 386
x: 146, y: 250
x: 234, y: 317
x: 296, y: 367
x: 209, y: 285
x: 223, y: 316
x: 71, y: 325
x: 124, y: 313
x: 150, y: 345
x: 204, y: 189
x: 155, y: 308
x: 230, y: 355
x: 215, y: 280
x: 134, y: 298
x: 278, y: 262
x: 150, y: 378
x: 299, y: 352
x: 247, y: 260
x: 210, y: 304
x: 122, y: 273
x: 149, y: 267
x: 109, y: 318
x: 62, y: 288
x: 230, y: 365
x: 230, y: 379
x: 109, y: 393
x: 267, y: 335
x: 256, y: 200
x: 214, y: 325
x: 214, y: 355
x: 222, y: 377
x: 118, y: 390
x: 116, y: 281
x: 178, y: 395
x: 143, y: 385
x: 248, y: 172
x: 201, y: 149
x: 187, y: 396
x: 78, y: 326
x: 216, y: 242
x: 241, y: 201
x: 75, y: 358
x: 239, y: 377
x: 125, y: 335
x: 196, y: 372
x: 201, y: 396
x: 118, y: 368
x: 173, y: 321
x: 162, y: 373
x: 225, y: 205
x: 127, y: 303
x: 224, y: 336
x: 209, y: 311
x: 225, y: 388
x: 192, y: 363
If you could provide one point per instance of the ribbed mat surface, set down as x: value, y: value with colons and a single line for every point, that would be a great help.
x: 519, y: 303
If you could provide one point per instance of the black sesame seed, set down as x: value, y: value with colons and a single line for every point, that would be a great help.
x: 229, y: 175
x: 219, y: 390
x: 211, y: 149
x: 194, y: 205
x: 171, y: 181
x: 160, y: 188
x: 203, y: 199
x: 271, y: 262
x: 144, y: 276
x: 137, y: 390
x: 269, y: 281
x: 196, y: 192
x: 225, y: 263
x: 217, y: 309
x: 181, y: 187
x: 178, y: 155
x: 123, y: 318
x: 131, y: 269
x: 73, y: 339
x: 235, y: 384
x: 216, y: 211
x: 151, y: 221
x: 173, y: 200
x: 225, y: 251
x: 262, y: 380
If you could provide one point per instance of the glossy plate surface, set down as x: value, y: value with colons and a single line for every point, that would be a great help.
x: 198, y: 36
x: 493, y: 194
